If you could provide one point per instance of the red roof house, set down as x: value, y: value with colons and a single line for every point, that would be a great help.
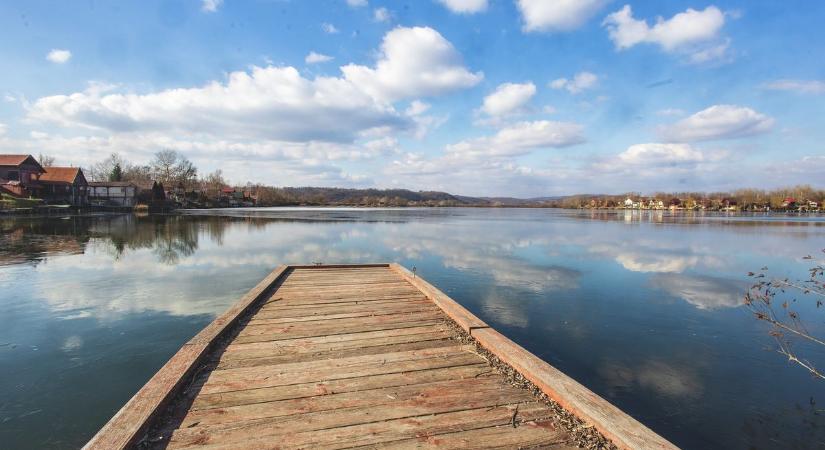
x: 65, y: 185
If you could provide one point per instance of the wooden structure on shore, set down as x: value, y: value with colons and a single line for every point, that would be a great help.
x: 355, y: 356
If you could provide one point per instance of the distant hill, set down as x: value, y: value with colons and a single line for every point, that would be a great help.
x: 327, y: 196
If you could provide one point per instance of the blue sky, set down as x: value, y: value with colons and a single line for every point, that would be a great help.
x: 477, y: 97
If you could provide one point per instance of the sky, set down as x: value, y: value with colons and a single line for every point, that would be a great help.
x: 522, y: 98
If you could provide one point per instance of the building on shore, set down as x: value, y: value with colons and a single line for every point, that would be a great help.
x: 64, y: 185
x: 19, y: 175
x: 118, y: 194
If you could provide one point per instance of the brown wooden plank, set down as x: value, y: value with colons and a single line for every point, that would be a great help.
x: 317, y: 355
x: 312, y: 314
x: 342, y: 301
x: 481, y: 386
x: 308, y: 311
x: 300, y: 350
x: 528, y: 435
x: 420, y: 427
x: 345, y: 282
x: 321, y: 267
x: 435, y: 403
x: 349, y: 329
x: 317, y: 296
x: 398, y: 285
x: 342, y: 363
x: 275, y: 378
x: 305, y: 344
x: 234, y: 398
x: 256, y: 327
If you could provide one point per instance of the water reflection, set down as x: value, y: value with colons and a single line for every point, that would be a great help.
x: 642, y: 307
x: 32, y: 241
x: 664, y: 378
x: 702, y: 291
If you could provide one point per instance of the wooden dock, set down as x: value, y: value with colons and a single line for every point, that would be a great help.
x: 355, y: 356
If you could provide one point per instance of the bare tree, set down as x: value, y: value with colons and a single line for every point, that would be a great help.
x: 172, y: 169
x: 46, y: 160
x: 214, y: 182
x: 778, y: 302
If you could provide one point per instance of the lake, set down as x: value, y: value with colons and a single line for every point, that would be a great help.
x: 643, y: 307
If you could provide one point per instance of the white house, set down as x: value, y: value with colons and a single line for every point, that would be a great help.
x: 113, y: 193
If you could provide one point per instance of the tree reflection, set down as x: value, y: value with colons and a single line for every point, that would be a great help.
x: 169, y: 237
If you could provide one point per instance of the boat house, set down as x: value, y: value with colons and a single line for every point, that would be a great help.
x: 64, y: 185
x: 113, y: 193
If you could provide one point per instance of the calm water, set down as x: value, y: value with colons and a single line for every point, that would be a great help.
x: 644, y: 309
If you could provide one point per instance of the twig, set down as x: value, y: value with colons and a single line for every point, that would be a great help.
x: 810, y: 368
x: 785, y: 327
x: 805, y: 289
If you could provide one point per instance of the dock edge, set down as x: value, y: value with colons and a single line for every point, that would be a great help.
x: 626, y: 432
x: 129, y: 425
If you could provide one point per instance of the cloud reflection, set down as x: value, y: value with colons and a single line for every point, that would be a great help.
x: 702, y: 291
x: 666, y: 379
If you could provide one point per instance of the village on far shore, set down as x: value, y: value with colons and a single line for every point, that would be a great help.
x: 802, y: 201
x: 170, y: 181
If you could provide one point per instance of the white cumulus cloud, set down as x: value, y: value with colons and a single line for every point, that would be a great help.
x: 278, y: 103
x: 693, y: 32
x: 580, y: 82
x: 315, y: 58
x: 465, y: 6
x: 210, y: 5
x: 718, y: 122
x: 264, y: 103
x: 508, y: 98
x: 520, y: 139
x: 658, y: 154
x: 414, y: 62
x: 59, y: 56
x: 557, y: 15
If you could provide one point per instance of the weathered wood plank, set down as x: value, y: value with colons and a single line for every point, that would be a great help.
x: 327, y: 373
x: 298, y: 347
x: 481, y: 387
x: 437, y: 402
x: 234, y: 398
x: 288, y: 345
x: 419, y: 427
x: 342, y: 301
x: 339, y: 330
x: 333, y: 354
x: 342, y: 363
x: 528, y: 435
x: 308, y: 314
x: 255, y: 327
